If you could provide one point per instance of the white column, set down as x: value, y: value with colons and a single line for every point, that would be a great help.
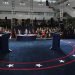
x: 31, y: 11
x: 61, y: 14
x: 12, y: 13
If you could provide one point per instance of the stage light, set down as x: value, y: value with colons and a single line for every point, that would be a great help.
x: 6, y: 3
x: 68, y: 3
x: 22, y: 4
x: 41, y: 4
x: 47, y: 3
x: 39, y: 0
x: 52, y: 1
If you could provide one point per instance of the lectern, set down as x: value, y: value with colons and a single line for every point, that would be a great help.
x: 56, y: 41
x: 4, y: 47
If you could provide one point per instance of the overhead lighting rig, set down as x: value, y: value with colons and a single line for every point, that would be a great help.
x: 40, y: 3
x: 68, y: 3
x: 22, y: 2
x: 6, y: 2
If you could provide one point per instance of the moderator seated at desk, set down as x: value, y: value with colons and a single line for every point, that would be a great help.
x: 26, y: 37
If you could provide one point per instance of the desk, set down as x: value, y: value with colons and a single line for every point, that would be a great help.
x: 26, y: 37
x: 4, y: 42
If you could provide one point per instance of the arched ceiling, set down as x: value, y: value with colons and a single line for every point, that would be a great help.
x: 27, y: 2
x: 34, y: 3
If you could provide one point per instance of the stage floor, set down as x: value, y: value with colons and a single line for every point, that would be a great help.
x: 26, y: 55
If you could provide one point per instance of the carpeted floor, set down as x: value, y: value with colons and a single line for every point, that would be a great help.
x: 25, y: 55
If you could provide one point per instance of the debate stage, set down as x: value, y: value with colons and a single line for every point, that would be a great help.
x: 26, y: 55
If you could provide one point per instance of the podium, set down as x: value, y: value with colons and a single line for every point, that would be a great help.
x: 56, y: 41
x: 4, y: 46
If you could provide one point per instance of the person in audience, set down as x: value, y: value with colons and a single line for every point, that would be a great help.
x: 43, y: 34
x: 19, y: 31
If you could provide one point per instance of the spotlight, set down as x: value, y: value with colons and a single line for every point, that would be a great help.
x: 68, y: 4
x: 47, y: 3
x: 6, y: 3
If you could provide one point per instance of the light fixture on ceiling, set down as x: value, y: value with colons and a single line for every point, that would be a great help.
x: 6, y: 2
x: 68, y: 3
x: 22, y: 2
x: 39, y: 0
x: 40, y: 3
x: 47, y: 3
x: 52, y: 1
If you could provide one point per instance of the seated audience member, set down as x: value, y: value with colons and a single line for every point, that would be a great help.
x: 43, y: 34
x: 19, y: 31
